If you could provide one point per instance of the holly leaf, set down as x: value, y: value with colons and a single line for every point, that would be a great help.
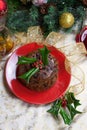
x: 25, y: 60
x: 67, y: 112
x: 71, y: 99
x: 44, y: 53
x: 29, y: 74
x: 55, y: 108
x: 72, y: 111
x: 66, y: 117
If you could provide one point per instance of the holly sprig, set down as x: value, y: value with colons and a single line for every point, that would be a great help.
x: 44, y: 53
x: 66, y: 107
x: 29, y: 74
x: 25, y: 60
x: 36, y: 65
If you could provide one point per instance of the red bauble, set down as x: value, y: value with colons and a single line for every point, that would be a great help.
x: 82, y: 36
x: 3, y: 7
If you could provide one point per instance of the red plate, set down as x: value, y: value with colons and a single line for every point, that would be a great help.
x: 28, y: 95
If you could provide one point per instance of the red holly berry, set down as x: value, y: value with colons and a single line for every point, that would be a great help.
x: 40, y: 67
x: 64, y: 102
x: 36, y: 63
x: 37, y: 66
x: 40, y: 62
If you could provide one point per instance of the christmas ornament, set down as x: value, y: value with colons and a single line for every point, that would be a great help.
x: 84, y: 2
x: 3, y: 7
x: 43, y: 9
x: 39, y: 2
x: 82, y: 36
x: 66, y: 20
x: 2, y: 48
x: 6, y: 42
x: 9, y: 44
x: 3, y: 11
x: 6, y: 45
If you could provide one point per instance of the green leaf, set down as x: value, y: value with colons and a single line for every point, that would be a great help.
x: 55, y: 108
x: 72, y: 111
x: 44, y: 53
x: 69, y: 111
x: 71, y: 99
x: 66, y: 117
x: 29, y: 74
x: 25, y: 60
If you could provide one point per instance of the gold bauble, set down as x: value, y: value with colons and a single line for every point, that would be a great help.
x: 6, y: 44
x: 9, y: 44
x: 66, y: 20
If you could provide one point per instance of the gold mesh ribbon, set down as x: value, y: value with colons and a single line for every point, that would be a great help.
x: 74, y: 53
x: 77, y: 77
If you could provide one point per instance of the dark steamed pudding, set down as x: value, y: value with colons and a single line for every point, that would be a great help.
x: 44, y: 78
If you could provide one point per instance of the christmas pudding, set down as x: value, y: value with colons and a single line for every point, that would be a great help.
x: 38, y: 70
